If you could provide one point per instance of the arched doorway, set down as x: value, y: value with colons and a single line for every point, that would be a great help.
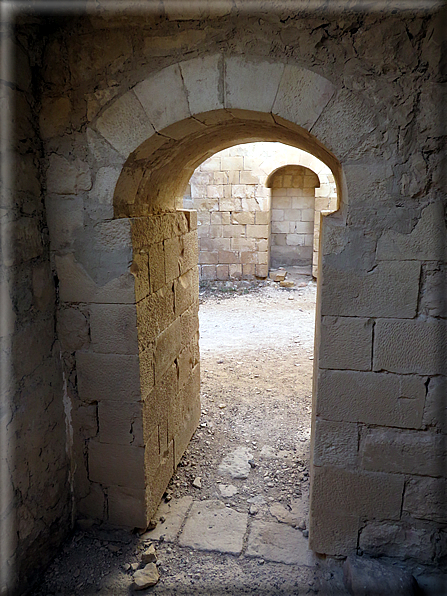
x: 161, y: 144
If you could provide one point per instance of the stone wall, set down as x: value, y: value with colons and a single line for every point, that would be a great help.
x: 125, y: 120
x: 293, y: 216
x: 35, y: 478
x: 231, y: 193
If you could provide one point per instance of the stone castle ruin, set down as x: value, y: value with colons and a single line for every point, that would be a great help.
x: 107, y: 111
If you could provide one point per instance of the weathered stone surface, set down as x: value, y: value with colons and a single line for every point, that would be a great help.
x: 202, y: 79
x: 213, y: 527
x: 236, y: 464
x: 355, y: 122
x: 389, y: 290
x: 76, y: 285
x: 372, y: 398
x: 146, y: 577
x: 406, y: 347
x: 67, y: 177
x: 435, y: 411
x: 426, y: 242
x: 127, y: 506
x: 353, y: 493
x: 404, y: 452
x: 113, y: 328
x: 426, y: 498
x: 346, y: 343
x: 302, y: 95
x: 116, y: 465
x: 294, y: 517
x: 54, y: 118
x: 366, y: 577
x: 174, y: 513
x: 279, y: 543
x: 125, y: 124
x: 402, y: 540
x: 120, y: 423
x: 163, y: 97
x: 108, y: 376
x: 251, y: 85
x: 73, y: 329
x: 65, y: 219
x: 228, y: 490
x: 335, y: 443
x: 433, y: 298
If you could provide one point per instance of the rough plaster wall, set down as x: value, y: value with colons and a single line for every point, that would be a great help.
x: 383, y: 271
x: 35, y: 499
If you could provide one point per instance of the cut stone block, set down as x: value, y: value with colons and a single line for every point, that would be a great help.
x: 202, y: 79
x: 365, y: 577
x: 390, y: 290
x: 174, y: 513
x: 404, y: 452
x: 125, y: 124
x: 163, y: 97
x: 302, y: 95
x: 251, y: 85
x: 213, y: 527
x: 373, y: 398
x: 278, y: 542
x: 345, y: 343
x: 407, y: 347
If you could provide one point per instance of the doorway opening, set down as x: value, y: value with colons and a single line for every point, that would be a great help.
x: 251, y: 450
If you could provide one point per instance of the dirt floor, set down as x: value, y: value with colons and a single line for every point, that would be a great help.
x: 249, y: 460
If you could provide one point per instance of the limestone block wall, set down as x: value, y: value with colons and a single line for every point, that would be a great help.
x: 379, y: 419
x: 293, y: 216
x: 35, y: 476
x: 132, y: 346
x: 233, y: 208
x: 166, y: 276
x: 231, y: 192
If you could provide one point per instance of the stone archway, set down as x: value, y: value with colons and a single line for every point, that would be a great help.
x: 161, y: 129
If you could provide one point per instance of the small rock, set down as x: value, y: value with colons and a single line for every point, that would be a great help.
x: 364, y: 576
x: 197, y: 482
x: 126, y: 567
x: 162, y: 519
x: 253, y: 509
x: 149, y: 555
x: 306, y: 533
x: 227, y: 490
x: 146, y: 577
x: 286, y: 284
x: 134, y: 566
x: 222, y: 406
x: 152, y: 525
x: 113, y: 548
x: 252, y: 463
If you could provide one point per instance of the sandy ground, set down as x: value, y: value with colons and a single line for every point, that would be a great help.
x: 256, y: 368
